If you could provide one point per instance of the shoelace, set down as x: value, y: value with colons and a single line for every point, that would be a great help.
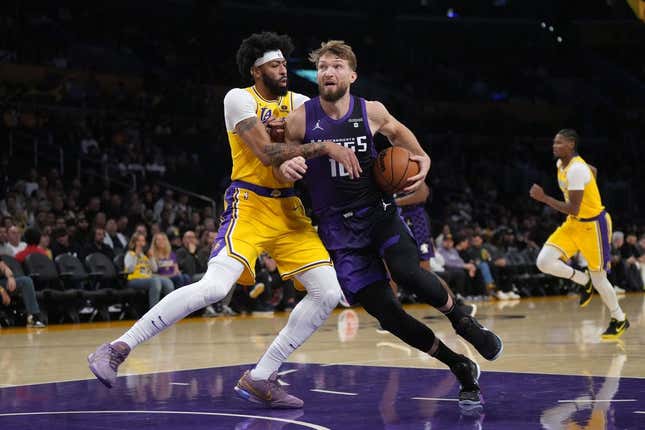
x: 116, y: 358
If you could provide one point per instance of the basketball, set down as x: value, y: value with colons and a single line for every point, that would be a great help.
x: 392, y: 169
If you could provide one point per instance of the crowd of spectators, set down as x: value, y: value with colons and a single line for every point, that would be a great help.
x: 131, y: 111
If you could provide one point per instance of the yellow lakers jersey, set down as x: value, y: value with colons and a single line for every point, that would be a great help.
x: 246, y: 166
x: 591, y: 204
x: 142, y: 268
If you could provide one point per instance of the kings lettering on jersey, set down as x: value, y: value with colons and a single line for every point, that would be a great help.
x: 329, y: 185
x: 246, y: 166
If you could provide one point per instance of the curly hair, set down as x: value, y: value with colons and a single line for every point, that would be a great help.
x: 254, y: 46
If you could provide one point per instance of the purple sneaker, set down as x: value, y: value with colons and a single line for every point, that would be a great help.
x: 105, y: 361
x: 267, y: 392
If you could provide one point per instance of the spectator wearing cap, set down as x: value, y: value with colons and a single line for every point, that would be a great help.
x: 32, y: 238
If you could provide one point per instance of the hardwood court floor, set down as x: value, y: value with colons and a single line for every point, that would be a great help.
x: 541, y: 336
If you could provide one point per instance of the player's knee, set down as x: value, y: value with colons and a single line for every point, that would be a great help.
x: 543, y: 263
x: 330, y: 297
x: 406, y: 273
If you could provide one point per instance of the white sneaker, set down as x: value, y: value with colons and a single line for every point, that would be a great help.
x: 501, y: 295
x: 513, y: 295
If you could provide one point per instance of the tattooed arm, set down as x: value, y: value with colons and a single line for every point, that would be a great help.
x: 270, y: 153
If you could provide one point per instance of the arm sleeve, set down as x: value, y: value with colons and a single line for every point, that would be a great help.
x: 578, y: 176
x: 129, y: 262
x: 298, y: 100
x: 238, y: 105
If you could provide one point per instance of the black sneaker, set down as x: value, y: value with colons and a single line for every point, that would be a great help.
x: 487, y: 343
x: 616, y: 329
x: 586, y: 292
x: 467, y: 373
x: 465, y: 308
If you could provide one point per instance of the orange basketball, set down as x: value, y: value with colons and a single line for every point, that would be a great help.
x: 392, y: 168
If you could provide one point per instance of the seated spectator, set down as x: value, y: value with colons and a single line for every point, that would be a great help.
x: 187, y: 257
x: 60, y: 244
x: 454, y: 263
x: 24, y: 287
x: 270, y: 291
x: 32, y: 238
x: 45, y: 240
x: 166, y: 261
x: 97, y: 245
x: 140, y: 271
x: 4, y: 244
x: 205, y: 246
x: 631, y: 255
x: 14, y: 243
x: 113, y: 238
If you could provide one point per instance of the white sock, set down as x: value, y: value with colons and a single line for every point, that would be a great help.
x: 548, y: 261
x: 607, y: 293
x: 220, y: 276
x: 323, y: 294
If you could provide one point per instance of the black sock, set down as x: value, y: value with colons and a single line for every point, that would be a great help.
x: 446, y: 355
x: 455, y: 314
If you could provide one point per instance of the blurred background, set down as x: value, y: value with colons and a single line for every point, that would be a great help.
x: 113, y: 113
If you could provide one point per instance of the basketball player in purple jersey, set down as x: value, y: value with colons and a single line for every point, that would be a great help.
x: 360, y: 226
x: 261, y: 214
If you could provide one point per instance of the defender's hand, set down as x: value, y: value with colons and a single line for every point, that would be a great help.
x: 294, y: 168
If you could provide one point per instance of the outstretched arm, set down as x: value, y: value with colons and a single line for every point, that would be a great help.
x: 255, y: 136
x: 381, y: 121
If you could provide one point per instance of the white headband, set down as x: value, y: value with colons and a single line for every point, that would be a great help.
x: 269, y: 56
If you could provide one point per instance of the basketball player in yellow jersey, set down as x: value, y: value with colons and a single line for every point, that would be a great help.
x: 261, y: 214
x: 587, y: 229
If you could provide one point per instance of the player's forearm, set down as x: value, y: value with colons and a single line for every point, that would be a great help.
x: 406, y: 139
x: 278, y: 153
x: 558, y: 205
x: 411, y: 199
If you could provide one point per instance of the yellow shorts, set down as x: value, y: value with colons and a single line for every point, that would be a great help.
x: 591, y: 237
x: 259, y: 219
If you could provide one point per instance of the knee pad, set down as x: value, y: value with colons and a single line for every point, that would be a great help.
x: 322, y: 285
x: 222, y: 273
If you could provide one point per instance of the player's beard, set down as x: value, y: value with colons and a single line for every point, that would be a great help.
x: 332, y: 96
x: 274, y: 86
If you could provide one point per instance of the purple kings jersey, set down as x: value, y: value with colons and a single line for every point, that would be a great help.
x: 330, y: 187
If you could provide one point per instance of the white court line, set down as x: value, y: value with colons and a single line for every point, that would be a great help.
x: 342, y: 393
x: 286, y: 372
x: 435, y: 398
x: 179, y: 383
x: 217, y: 414
x: 595, y: 401
x: 639, y: 412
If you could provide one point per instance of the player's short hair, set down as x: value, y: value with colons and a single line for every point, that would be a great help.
x: 254, y: 46
x: 570, y: 134
x: 336, y: 47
